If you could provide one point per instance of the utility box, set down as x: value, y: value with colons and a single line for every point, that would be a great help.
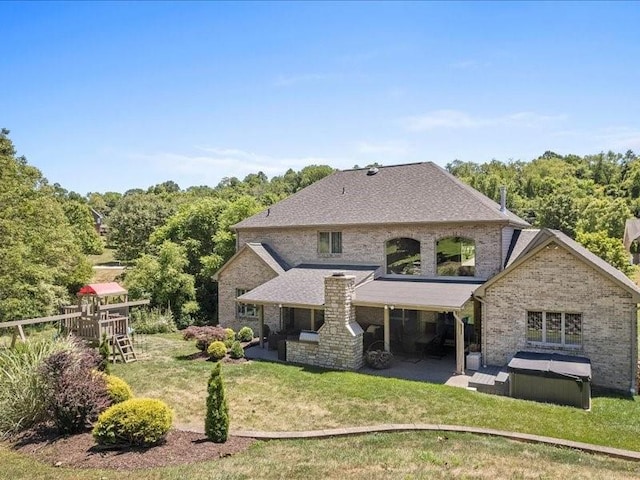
x: 552, y: 378
x: 473, y: 361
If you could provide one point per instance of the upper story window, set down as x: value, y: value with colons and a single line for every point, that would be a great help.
x: 329, y: 242
x: 403, y: 256
x: 245, y: 310
x: 456, y: 257
x: 554, y: 328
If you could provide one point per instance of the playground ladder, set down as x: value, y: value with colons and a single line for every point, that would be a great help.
x: 125, y: 348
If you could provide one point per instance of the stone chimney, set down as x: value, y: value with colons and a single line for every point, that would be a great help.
x: 503, y: 198
x: 340, y: 342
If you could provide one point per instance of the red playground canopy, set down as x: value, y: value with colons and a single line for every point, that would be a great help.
x: 102, y: 289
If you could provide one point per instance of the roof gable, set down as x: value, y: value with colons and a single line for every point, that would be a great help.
x: 413, y: 193
x: 547, y: 236
x: 264, y: 252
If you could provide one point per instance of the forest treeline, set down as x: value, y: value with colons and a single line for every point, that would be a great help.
x: 174, y: 239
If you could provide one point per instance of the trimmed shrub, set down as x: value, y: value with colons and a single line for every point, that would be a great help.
x: 231, y: 337
x: 117, y: 389
x: 138, y: 421
x: 245, y: 334
x: 152, y: 321
x: 217, y: 350
x: 236, y: 350
x: 204, y: 336
x: 75, y: 394
x: 22, y: 385
x: 216, y: 423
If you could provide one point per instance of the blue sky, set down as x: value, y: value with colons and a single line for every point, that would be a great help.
x: 112, y: 96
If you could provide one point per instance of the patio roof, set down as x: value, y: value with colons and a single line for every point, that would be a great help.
x: 302, y: 286
x: 418, y: 294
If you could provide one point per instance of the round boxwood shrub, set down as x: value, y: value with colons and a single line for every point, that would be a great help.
x: 138, y: 421
x: 217, y: 350
x: 118, y: 389
x: 236, y: 350
x: 231, y: 336
x: 245, y: 334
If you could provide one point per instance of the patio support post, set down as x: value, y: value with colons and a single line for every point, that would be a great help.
x: 459, y: 344
x: 313, y: 319
x: 261, y: 314
x: 387, y: 344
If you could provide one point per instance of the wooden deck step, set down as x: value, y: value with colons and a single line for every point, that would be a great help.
x: 497, y: 384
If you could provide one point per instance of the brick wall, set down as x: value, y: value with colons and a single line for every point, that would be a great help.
x: 555, y: 280
x: 247, y: 271
x: 366, y: 244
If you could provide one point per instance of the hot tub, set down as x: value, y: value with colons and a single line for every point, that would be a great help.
x: 551, y: 377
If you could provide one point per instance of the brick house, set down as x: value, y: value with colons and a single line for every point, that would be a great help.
x: 408, y: 256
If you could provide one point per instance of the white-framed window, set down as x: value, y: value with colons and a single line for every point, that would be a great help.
x: 329, y: 242
x: 554, y: 328
x: 245, y: 310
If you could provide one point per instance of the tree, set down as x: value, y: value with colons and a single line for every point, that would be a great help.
x: 79, y: 216
x: 604, y: 214
x: 162, y: 278
x: 40, y: 260
x: 133, y: 221
x: 216, y: 423
x: 609, y: 249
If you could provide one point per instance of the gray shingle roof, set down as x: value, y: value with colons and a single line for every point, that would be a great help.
x: 547, y: 235
x: 414, y: 193
x: 520, y: 241
x: 631, y: 232
x: 269, y: 256
x: 424, y: 294
x: 303, y: 285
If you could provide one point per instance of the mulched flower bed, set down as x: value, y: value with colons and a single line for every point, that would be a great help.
x: 81, y: 451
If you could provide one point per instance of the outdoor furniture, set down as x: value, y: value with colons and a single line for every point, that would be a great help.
x: 436, y: 347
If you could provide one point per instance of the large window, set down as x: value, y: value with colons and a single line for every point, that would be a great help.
x: 329, y: 242
x: 554, y: 328
x: 403, y: 256
x: 245, y: 310
x: 456, y: 257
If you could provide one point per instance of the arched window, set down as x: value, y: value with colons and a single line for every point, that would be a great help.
x: 403, y: 256
x: 456, y: 257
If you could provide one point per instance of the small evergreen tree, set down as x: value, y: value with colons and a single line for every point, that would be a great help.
x: 216, y: 423
x: 103, y: 350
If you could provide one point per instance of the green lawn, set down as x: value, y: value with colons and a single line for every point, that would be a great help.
x: 427, y: 455
x: 271, y: 396
x: 107, y: 257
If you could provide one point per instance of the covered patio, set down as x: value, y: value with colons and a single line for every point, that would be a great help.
x: 426, y: 370
x: 420, y: 295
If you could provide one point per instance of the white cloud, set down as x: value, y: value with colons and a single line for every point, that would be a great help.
x: 386, y: 148
x: 216, y: 163
x: 459, y: 119
x: 620, y: 138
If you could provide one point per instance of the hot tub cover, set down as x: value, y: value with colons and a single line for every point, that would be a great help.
x: 551, y: 364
